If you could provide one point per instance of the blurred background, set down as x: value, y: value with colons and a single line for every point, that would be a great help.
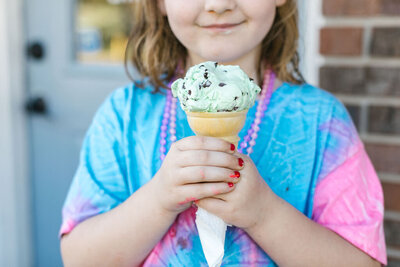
x: 60, y: 59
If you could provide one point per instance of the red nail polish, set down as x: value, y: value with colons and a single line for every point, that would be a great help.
x: 236, y: 174
x: 230, y: 184
x: 241, y: 162
x: 233, y: 147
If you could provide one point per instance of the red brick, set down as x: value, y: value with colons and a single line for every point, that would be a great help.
x: 390, y: 7
x: 386, y: 158
x: 361, y: 80
x: 341, y: 41
x: 391, y: 193
x: 384, y: 120
x: 385, y: 42
x: 393, y: 262
x: 392, y: 233
x: 350, y: 8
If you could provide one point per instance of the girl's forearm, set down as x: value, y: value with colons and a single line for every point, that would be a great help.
x: 123, y: 236
x: 291, y: 239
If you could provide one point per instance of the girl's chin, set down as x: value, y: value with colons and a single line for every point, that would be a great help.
x: 221, y: 57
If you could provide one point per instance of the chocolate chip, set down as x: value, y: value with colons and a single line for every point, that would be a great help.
x: 251, y: 79
x: 199, y: 86
x: 225, y: 71
x: 235, y: 108
x: 206, y: 75
x: 207, y: 84
x: 183, y: 86
x: 242, y: 93
x: 202, y: 66
x: 216, y: 64
x: 221, y: 84
x: 236, y: 97
x: 190, y: 92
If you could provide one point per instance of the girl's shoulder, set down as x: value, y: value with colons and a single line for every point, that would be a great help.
x: 313, y: 99
x: 135, y: 95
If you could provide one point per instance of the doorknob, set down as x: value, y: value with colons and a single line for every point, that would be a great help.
x: 36, y: 50
x: 36, y: 105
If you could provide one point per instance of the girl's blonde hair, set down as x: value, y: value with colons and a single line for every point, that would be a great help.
x: 156, y: 53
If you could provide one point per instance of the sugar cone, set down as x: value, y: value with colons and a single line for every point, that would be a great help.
x: 211, y: 228
x: 224, y: 125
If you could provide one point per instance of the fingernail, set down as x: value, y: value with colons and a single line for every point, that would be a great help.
x: 236, y: 174
x: 241, y: 162
x: 230, y: 184
x: 233, y: 147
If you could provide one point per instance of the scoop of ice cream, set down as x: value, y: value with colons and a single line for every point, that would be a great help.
x: 209, y: 87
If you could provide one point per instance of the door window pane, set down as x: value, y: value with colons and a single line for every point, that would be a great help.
x: 102, y: 29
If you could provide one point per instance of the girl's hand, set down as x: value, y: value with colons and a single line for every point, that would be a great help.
x: 195, y: 168
x: 247, y: 204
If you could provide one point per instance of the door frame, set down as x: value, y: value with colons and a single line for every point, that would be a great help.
x: 15, y: 193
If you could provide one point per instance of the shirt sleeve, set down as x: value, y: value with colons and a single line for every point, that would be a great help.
x: 99, y: 183
x: 348, y: 197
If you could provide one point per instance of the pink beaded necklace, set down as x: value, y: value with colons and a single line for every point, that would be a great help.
x: 249, y: 141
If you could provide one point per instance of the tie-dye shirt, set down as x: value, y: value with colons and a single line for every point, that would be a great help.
x: 307, y: 151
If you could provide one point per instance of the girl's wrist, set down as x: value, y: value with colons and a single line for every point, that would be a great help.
x: 271, y: 204
x: 154, y: 194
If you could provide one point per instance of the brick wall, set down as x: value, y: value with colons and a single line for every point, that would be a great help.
x: 360, y: 48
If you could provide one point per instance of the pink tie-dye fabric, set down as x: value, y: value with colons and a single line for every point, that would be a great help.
x: 349, y: 201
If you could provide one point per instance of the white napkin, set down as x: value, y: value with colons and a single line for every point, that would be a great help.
x: 212, y: 231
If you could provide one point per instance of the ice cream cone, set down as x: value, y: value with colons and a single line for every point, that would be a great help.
x: 224, y: 125
x: 211, y: 228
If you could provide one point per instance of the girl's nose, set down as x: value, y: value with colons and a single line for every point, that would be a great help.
x: 219, y: 6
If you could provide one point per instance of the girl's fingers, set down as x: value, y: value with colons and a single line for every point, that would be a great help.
x: 199, y: 174
x: 205, y: 143
x: 193, y: 192
x: 212, y: 205
x: 209, y: 158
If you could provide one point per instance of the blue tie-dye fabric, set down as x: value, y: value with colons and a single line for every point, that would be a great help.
x: 121, y: 153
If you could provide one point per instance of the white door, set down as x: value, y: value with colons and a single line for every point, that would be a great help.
x: 75, y: 52
x: 75, y: 60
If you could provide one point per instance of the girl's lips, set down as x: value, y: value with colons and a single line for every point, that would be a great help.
x: 222, y: 27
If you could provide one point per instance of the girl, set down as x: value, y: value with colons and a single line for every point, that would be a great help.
x: 306, y: 196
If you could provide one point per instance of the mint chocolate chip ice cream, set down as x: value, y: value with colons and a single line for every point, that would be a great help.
x: 210, y: 87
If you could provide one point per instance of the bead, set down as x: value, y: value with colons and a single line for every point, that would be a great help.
x: 253, y: 136
x: 162, y: 157
x: 247, y: 138
x: 256, y: 128
x: 173, y: 112
x: 172, y: 125
x: 243, y: 145
x: 166, y: 115
x: 257, y: 121
x: 173, y: 138
x: 249, y: 150
x: 163, y: 142
x: 172, y: 131
x: 164, y: 128
x: 163, y: 149
x: 163, y: 134
x: 258, y: 114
